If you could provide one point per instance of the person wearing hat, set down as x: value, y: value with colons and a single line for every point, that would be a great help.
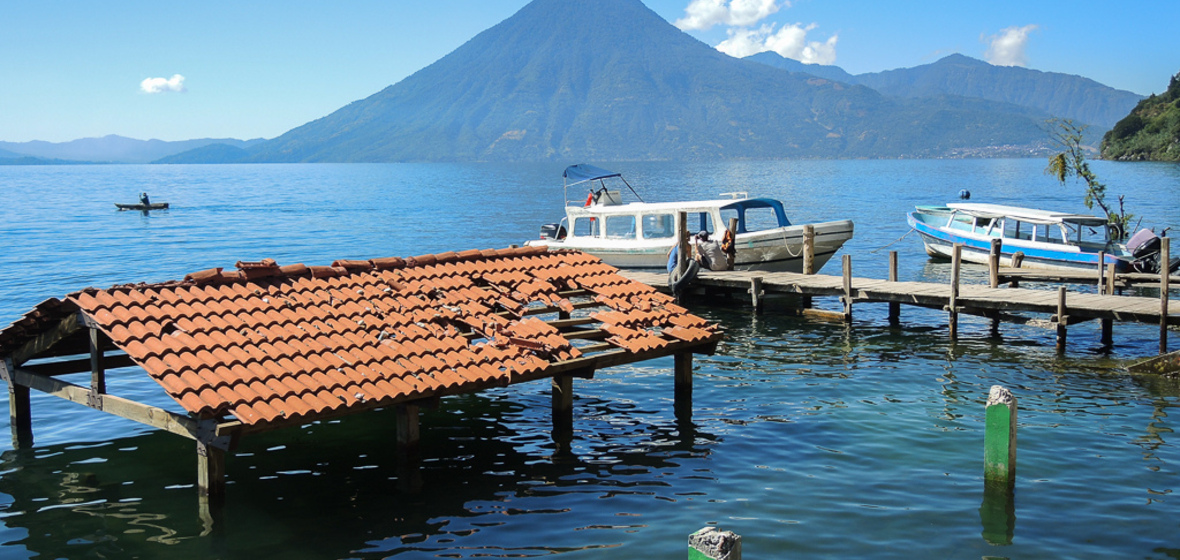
x: 708, y: 252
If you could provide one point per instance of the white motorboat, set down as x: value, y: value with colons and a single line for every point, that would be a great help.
x: 642, y: 234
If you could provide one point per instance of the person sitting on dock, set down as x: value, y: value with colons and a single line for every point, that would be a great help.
x: 709, y: 253
x: 143, y: 199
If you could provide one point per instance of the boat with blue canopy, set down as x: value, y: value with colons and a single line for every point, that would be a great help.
x: 1047, y: 239
x: 642, y: 234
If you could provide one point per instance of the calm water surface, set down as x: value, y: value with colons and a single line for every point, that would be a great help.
x: 810, y: 439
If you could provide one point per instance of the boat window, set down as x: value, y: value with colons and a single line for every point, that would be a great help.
x: 585, y: 227
x: 658, y: 226
x: 699, y: 221
x: 755, y: 214
x: 1013, y: 229
x: 620, y: 227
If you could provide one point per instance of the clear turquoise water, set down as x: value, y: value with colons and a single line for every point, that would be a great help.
x: 809, y: 439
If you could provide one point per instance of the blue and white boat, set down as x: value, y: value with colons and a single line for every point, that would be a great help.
x: 1049, y: 240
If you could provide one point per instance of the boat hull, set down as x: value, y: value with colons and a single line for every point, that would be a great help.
x: 776, y: 250
x: 940, y: 242
x: 154, y: 206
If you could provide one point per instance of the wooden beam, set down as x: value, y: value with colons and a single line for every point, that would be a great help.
x: 131, y: 410
x: 78, y: 366
x: 47, y: 339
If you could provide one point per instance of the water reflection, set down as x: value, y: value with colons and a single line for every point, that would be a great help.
x: 485, y: 463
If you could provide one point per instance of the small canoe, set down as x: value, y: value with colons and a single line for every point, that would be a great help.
x: 152, y: 206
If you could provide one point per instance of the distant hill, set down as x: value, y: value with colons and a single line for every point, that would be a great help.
x: 610, y: 79
x: 1151, y: 132
x: 213, y: 153
x: 112, y: 149
x: 1060, y: 95
x: 834, y: 73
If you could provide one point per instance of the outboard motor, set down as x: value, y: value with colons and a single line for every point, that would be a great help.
x: 552, y: 231
x: 1145, y: 248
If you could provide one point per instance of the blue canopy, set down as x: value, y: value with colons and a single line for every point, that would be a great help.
x: 581, y: 173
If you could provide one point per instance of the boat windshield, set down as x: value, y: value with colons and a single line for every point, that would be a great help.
x: 755, y: 214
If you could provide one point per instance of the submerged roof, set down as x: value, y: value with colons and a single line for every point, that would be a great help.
x: 265, y: 343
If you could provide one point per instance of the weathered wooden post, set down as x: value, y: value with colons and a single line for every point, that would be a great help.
x: 993, y: 264
x: 712, y: 543
x: 847, y: 262
x: 683, y: 389
x: 1062, y: 319
x: 953, y: 304
x: 562, y: 387
x: 1101, y: 270
x: 1108, y: 324
x: 808, y: 249
x: 894, y: 307
x: 20, y: 415
x: 756, y: 294
x: 1165, y: 277
x: 682, y: 255
x: 999, y: 438
x: 1017, y: 261
x: 998, y: 512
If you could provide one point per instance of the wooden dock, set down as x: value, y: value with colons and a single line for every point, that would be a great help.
x: 1001, y: 304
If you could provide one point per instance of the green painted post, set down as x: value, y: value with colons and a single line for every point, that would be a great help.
x: 999, y: 439
x: 712, y: 543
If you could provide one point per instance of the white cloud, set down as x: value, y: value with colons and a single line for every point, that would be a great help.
x: 704, y: 14
x: 1007, y: 48
x: 790, y: 41
x: 163, y: 85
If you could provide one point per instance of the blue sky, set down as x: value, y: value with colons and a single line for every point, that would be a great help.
x: 179, y: 70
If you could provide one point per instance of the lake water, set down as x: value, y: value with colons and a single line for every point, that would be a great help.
x: 810, y: 439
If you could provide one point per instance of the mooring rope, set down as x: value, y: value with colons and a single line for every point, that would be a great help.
x: 878, y: 249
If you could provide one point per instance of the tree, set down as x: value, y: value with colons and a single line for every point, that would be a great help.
x: 1071, y: 162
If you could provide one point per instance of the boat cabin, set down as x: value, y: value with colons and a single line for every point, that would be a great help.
x: 656, y: 221
x: 1041, y: 226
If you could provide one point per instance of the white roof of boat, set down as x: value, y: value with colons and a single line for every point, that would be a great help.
x: 638, y: 207
x: 1031, y: 215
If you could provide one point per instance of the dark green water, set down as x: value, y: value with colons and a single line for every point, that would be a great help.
x: 810, y: 439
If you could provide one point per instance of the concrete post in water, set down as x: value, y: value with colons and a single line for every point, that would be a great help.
x: 993, y: 264
x: 712, y: 543
x: 847, y: 262
x: 894, y: 307
x: 999, y: 438
x: 1165, y: 277
x: 809, y: 249
x: 1062, y: 319
x: 953, y: 304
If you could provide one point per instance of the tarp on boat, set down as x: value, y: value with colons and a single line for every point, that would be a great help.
x: 581, y: 173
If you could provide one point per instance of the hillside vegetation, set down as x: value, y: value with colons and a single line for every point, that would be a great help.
x: 1151, y: 132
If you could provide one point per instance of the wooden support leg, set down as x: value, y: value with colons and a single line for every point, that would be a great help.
x: 847, y: 262
x: 756, y: 294
x: 1062, y: 320
x: 1107, y: 333
x: 210, y: 472
x: 953, y: 303
x: 563, y: 410
x: 408, y: 435
x: 20, y: 416
x: 683, y: 374
x: 894, y: 307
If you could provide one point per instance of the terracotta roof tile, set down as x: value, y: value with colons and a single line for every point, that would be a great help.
x: 266, y: 342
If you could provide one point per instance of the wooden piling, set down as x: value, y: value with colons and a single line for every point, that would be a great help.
x: 953, y: 303
x: 993, y: 264
x: 1108, y: 324
x: 1101, y: 271
x: 563, y: 409
x: 1017, y: 261
x: 808, y: 249
x: 408, y: 434
x: 1062, y: 319
x: 711, y: 543
x: 999, y: 438
x: 683, y: 385
x: 1165, y: 257
x: 756, y: 294
x: 210, y: 471
x: 682, y: 255
x: 847, y: 262
x: 894, y: 307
